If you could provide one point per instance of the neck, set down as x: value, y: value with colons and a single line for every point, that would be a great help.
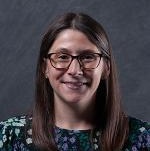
x: 74, y: 117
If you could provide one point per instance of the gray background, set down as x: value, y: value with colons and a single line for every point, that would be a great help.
x: 23, y: 22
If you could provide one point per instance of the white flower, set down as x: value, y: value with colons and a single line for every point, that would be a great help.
x: 17, y: 124
x: 4, y: 129
x: 17, y: 131
x: 23, y: 121
x: 10, y: 120
x: 4, y: 138
x: 11, y: 131
x: 95, y: 140
x: 9, y: 137
x: 142, y: 129
x: 1, y: 144
x: 29, y: 131
x: 95, y: 146
x: 98, y: 133
x: 30, y: 118
x: 29, y: 140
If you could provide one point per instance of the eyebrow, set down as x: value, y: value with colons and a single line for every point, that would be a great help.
x: 65, y: 50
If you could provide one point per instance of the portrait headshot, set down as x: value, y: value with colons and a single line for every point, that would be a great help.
x: 74, y: 78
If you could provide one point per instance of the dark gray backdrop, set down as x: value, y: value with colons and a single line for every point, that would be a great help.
x: 23, y: 22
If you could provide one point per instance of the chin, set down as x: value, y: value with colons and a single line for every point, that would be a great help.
x: 74, y: 100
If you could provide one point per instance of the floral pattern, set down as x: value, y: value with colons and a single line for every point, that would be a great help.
x: 75, y: 140
x: 16, y: 135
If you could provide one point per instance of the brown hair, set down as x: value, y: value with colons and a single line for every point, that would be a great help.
x: 111, y: 119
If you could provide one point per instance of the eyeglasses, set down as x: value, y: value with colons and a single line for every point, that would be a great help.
x: 64, y: 60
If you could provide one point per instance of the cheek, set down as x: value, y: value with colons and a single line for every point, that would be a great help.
x: 97, y: 75
x: 53, y: 75
x: 97, y: 78
x: 50, y: 71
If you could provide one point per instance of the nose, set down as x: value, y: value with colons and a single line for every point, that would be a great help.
x: 75, y: 68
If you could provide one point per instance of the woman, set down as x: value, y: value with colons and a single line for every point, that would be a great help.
x: 77, y: 101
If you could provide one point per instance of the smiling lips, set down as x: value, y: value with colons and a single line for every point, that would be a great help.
x: 74, y: 85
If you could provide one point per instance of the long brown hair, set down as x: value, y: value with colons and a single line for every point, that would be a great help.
x: 111, y: 119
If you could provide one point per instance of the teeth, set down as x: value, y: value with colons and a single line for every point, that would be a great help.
x: 76, y: 83
x: 73, y: 84
x: 79, y: 84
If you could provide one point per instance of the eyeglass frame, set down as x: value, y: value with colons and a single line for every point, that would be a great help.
x: 48, y: 56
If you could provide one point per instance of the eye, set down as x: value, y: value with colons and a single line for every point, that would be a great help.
x: 62, y: 57
x: 88, y: 57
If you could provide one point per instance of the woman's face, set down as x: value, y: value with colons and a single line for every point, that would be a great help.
x: 74, y: 85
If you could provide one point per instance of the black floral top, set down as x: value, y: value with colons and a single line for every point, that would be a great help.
x: 16, y: 135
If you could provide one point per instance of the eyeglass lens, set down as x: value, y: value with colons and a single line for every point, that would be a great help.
x: 63, y: 60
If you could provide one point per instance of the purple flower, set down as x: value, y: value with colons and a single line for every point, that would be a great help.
x: 65, y: 139
x: 65, y: 146
x: 72, y: 139
x: 134, y: 148
x: 56, y: 139
x: 139, y: 145
x: 148, y: 140
x: 140, y: 138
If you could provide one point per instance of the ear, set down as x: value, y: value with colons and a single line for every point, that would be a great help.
x: 106, y: 70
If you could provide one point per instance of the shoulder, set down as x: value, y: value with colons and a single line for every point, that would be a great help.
x: 14, y: 121
x: 134, y: 122
x: 139, y: 134
x: 138, y: 127
x: 14, y: 129
x: 18, y: 122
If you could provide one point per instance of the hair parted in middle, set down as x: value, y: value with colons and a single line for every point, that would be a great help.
x: 110, y: 118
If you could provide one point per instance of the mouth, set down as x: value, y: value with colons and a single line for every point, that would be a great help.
x: 75, y: 85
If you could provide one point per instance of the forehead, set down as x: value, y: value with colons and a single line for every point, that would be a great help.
x: 71, y: 39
